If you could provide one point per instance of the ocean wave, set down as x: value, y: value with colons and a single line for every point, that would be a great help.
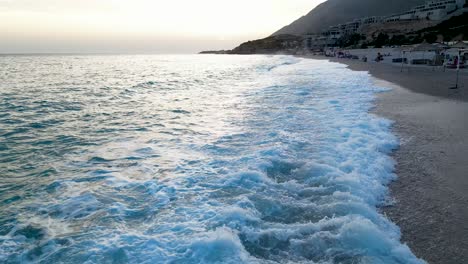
x: 266, y: 159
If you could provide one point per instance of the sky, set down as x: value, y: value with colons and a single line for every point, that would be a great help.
x: 140, y: 26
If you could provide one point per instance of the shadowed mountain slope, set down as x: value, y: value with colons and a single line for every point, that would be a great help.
x: 333, y: 12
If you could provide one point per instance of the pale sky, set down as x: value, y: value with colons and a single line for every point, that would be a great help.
x: 141, y: 26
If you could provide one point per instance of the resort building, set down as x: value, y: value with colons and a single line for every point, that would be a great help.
x: 352, y: 27
x: 333, y: 33
x: 371, y: 20
x: 319, y: 41
x: 435, y: 10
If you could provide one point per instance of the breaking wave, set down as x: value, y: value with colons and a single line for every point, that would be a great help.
x: 193, y: 159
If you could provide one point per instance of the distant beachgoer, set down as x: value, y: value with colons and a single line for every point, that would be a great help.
x: 379, y: 57
x: 364, y: 58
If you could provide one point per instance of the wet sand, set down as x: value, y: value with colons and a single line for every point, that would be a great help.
x: 431, y: 191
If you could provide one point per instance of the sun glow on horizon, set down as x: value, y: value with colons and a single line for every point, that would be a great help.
x: 86, y: 20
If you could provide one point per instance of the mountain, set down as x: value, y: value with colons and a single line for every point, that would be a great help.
x: 334, y: 12
x: 280, y: 44
x: 269, y: 45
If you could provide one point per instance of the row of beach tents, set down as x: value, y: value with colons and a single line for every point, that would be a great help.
x: 454, y: 52
x: 437, y: 47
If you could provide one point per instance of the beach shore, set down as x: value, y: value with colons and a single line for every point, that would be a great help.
x: 431, y: 191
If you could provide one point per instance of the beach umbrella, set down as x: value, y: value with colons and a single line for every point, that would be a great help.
x: 460, y: 51
x: 441, y: 45
x: 403, y: 50
x: 460, y: 45
x: 426, y: 47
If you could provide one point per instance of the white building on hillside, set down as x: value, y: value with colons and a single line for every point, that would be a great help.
x: 319, y: 41
x: 371, y: 20
x: 432, y: 10
x: 334, y: 33
x: 435, y: 10
x: 352, y: 27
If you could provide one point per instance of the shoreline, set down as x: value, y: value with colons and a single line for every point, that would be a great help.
x: 433, y: 81
x: 431, y: 206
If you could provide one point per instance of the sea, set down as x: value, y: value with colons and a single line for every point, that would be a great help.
x: 193, y: 159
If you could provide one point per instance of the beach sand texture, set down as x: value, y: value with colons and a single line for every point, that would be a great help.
x: 431, y: 192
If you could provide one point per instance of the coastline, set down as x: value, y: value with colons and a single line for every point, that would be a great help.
x: 432, y: 162
x: 431, y: 201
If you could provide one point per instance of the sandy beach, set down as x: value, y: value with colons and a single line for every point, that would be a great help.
x: 431, y: 202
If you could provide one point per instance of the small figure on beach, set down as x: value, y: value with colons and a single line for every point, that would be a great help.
x: 379, y: 57
x: 364, y: 58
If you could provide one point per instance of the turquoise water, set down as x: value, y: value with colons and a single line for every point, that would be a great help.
x: 192, y: 159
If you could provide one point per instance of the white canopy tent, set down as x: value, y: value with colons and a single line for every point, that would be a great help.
x: 423, y: 47
x: 426, y: 47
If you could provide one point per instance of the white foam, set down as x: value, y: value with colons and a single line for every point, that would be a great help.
x: 269, y: 160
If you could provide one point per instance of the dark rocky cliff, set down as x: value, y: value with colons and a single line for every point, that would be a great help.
x: 284, y: 44
x: 270, y: 45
